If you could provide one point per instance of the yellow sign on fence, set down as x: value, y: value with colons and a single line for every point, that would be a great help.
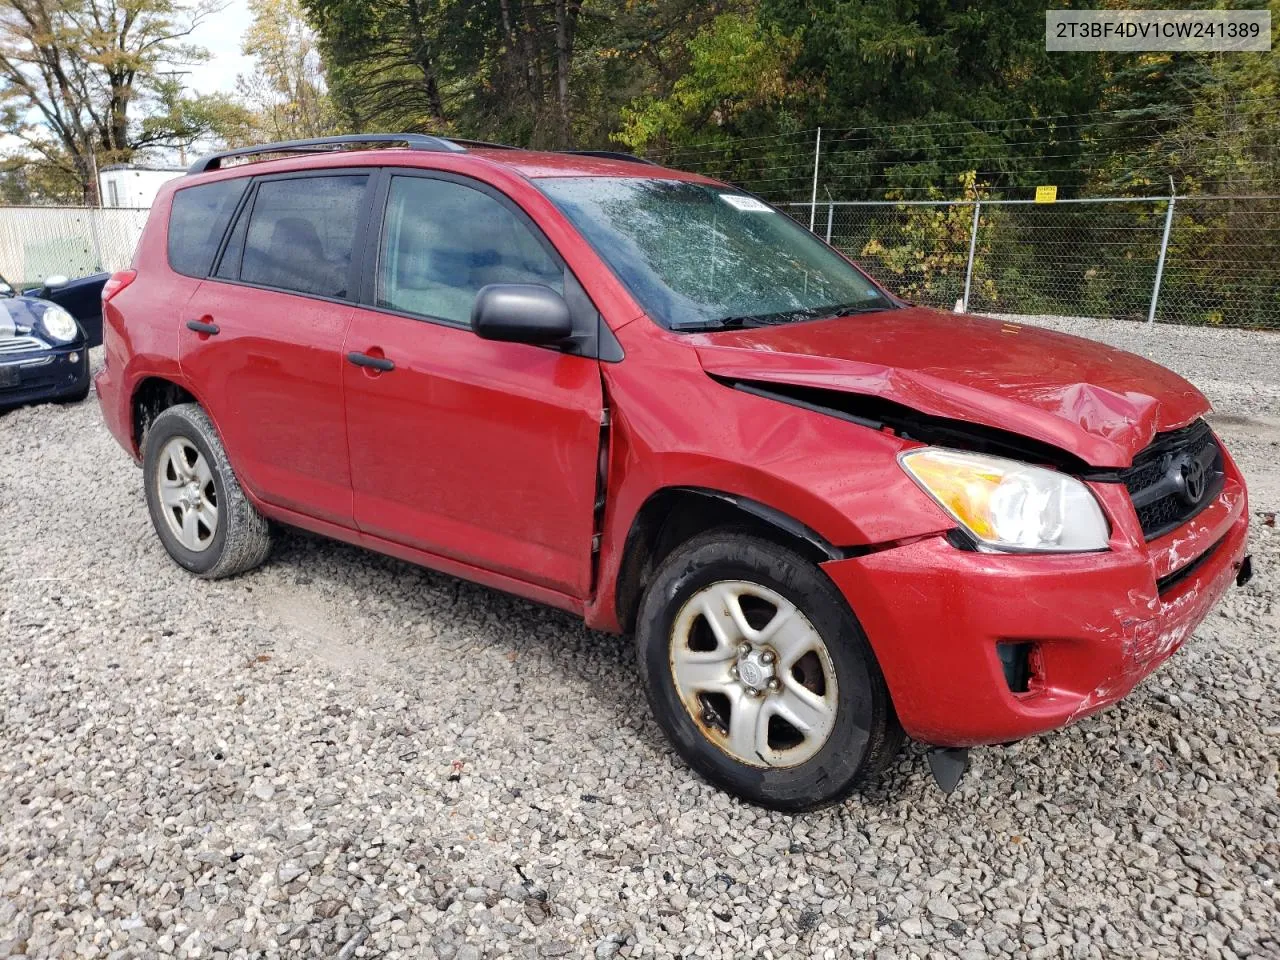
x: 1046, y: 194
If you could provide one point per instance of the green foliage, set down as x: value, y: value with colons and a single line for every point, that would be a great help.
x: 913, y: 94
x: 916, y: 99
x: 495, y: 69
x: 737, y: 65
x: 1223, y: 265
x: 922, y: 252
x: 1070, y: 259
x: 383, y: 59
x: 36, y: 180
x: 285, y: 94
x: 542, y: 73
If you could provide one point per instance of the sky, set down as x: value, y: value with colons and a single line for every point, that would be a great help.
x: 220, y: 34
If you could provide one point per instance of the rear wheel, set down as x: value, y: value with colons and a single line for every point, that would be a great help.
x: 197, y: 507
x: 760, y: 675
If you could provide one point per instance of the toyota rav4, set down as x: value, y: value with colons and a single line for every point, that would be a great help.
x: 828, y: 517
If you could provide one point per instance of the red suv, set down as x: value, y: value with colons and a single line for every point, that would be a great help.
x: 827, y: 516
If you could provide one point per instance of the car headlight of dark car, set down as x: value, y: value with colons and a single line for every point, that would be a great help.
x: 58, y: 325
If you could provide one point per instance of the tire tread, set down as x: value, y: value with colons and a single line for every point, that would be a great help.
x: 247, y: 540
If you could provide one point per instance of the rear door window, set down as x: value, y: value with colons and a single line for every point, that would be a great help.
x: 301, y: 235
x: 197, y: 221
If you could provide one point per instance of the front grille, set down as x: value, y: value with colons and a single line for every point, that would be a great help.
x: 21, y: 345
x: 1174, y: 478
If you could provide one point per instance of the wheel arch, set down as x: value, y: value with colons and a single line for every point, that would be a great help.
x: 672, y: 515
x: 151, y: 396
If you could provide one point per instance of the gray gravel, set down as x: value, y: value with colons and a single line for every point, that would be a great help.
x: 342, y: 755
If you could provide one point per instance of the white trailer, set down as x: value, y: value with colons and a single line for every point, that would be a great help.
x: 127, y: 185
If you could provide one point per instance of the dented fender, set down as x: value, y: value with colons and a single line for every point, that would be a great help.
x: 840, y: 480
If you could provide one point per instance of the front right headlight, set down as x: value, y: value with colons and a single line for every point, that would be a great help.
x: 1007, y: 505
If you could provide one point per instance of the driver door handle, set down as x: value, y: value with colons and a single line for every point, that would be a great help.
x: 199, y: 326
x: 375, y: 363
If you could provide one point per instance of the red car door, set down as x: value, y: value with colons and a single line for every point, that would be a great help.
x: 263, y: 341
x: 479, y: 451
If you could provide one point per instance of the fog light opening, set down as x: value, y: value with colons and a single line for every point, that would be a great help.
x: 73, y: 357
x: 1015, y: 658
x: 1245, y: 573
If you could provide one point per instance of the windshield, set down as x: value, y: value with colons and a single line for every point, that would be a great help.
x: 700, y: 257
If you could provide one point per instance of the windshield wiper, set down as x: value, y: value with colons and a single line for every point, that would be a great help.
x: 751, y: 320
x: 727, y: 323
x: 850, y: 310
x: 784, y: 316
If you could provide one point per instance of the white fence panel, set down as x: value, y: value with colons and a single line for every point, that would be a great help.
x: 36, y: 242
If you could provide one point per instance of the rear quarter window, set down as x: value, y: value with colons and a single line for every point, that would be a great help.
x: 197, y: 221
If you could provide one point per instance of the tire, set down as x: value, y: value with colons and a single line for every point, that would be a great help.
x: 230, y: 536
x: 845, y: 729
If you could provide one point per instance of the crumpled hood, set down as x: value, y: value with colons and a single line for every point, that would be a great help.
x: 1101, y: 404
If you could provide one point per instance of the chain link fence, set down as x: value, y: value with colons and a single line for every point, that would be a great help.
x: 37, y: 242
x: 1208, y: 261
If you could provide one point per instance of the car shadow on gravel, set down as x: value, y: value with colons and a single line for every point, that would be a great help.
x: 464, y: 616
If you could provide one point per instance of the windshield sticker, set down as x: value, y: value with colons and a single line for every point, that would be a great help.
x: 750, y: 204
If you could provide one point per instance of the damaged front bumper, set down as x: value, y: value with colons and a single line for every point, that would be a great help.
x: 1083, y: 629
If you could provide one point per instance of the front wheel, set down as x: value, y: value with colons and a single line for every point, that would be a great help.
x: 759, y: 674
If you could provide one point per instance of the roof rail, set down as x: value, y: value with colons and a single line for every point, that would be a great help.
x: 611, y: 155
x: 414, y: 141
x: 483, y: 144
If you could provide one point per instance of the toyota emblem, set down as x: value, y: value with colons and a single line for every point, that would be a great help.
x: 1195, y: 474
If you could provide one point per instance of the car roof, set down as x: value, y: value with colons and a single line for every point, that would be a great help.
x: 419, y: 150
x: 540, y: 163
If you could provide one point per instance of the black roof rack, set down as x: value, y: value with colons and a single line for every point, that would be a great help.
x: 611, y: 155
x: 414, y: 141
x: 483, y: 144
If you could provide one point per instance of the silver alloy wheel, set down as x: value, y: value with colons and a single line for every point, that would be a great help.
x: 188, y: 497
x: 754, y: 674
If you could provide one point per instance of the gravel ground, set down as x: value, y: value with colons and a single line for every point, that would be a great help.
x: 342, y: 755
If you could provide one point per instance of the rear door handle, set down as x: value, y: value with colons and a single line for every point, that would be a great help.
x: 199, y: 326
x: 376, y: 363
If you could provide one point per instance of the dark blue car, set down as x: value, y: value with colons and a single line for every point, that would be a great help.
x: 45, y: 336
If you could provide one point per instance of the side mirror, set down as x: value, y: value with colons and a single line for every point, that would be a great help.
x: 521, y: 313
x: 56, y: 281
